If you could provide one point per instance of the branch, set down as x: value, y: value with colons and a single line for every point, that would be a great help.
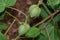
x: 46, y: 8
x: 51, y: 15
x: 20, y: 12
x: 9, y: 27
x: 17, y: 37
x: 13, y: 16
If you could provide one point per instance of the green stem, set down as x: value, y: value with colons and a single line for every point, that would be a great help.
x: 46, y: 24
x: 40, y: 2
x: 46, y: 8
x: 47, y: 33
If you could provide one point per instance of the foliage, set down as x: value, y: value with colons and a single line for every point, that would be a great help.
x: 3, y: 37
x: 50, y: 29
x: 53, y: 3
x: 33, y: 32
x: 3, y: 26
x: 6, y: 3
x: 50, y: 32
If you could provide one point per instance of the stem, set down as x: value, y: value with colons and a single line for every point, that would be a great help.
x: 47, y: 18
x: 46, y: 8
x: 48, y: 11
x: 47, y: 33
x: 9, y: 27
x: 20, y: 12
x: 40, y: 2
x: 46, y: 24
x: 17, y: 37
x: 13, y: 16
x: 26, y: 20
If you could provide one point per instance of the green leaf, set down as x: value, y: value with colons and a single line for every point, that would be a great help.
x: 57, y: 18
x: 50, y: 29
x: 2, y: 6
x: 56, y: 34
x: 6, y: 3
x: 3, y: 26
x: 53, y: 2
x: 9, y: 2
x: 44, y: 14
x: 3, y: 37
x: 57, y: 7
x: 2, y: 16
x: 33, y: 32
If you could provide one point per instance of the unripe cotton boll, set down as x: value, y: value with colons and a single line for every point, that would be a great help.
x: 34, y: 11
x: 23, y: 28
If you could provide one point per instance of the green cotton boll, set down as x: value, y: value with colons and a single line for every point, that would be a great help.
x: 34, y: 11
x: 33, y: 32
x: 32, y: 7
x: 9, y: 2
x: 23, y: 28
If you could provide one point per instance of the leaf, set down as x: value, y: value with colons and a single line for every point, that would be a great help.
x: 3, y: 37
x: 3, y: 26
x: 56, y: 34
x: 2, y: 16
x: 57, y: 18
x: 9, y: 2
x: 44, y: 14
x: 50, y: 29
x: 57, y: 7
x: 33, y: 32
x: 53, y: 3
x: 6, y: 3
x: 2, y: 6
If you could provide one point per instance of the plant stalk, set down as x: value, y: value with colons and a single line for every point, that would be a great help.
x: 9, y: 27
x: 51, y: 15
